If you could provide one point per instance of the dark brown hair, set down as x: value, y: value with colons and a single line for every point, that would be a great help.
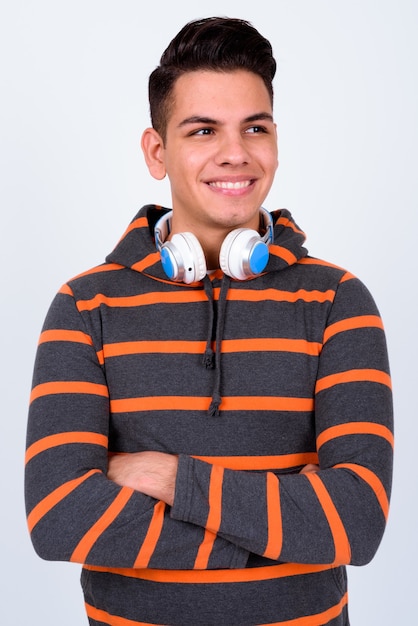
x: 216, y: 43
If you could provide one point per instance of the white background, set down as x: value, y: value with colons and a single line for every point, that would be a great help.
x: 73, y: 86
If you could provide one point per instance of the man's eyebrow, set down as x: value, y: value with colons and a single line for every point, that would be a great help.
x: 200, y: 119
x: 259, y: 116
x: 197, y: 119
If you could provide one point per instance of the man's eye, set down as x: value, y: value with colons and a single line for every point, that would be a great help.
x: 256, y: 129
x: 203, y: 131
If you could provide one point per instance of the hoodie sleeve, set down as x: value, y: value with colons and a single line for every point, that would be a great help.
x: 338, y: 514
x: 74, y: 512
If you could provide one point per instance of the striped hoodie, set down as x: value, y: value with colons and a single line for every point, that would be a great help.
x: 247, y: 381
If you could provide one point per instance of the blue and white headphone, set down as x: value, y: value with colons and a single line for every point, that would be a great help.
x: 244, y: 252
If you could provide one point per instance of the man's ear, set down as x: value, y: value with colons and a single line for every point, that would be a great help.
x: 153, y: 148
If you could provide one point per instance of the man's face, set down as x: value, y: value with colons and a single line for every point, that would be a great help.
x: 220, y: 152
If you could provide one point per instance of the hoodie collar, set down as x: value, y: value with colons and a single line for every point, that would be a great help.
x: 137, y: 250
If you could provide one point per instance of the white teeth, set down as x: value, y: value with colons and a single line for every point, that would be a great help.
x: 230, y: 185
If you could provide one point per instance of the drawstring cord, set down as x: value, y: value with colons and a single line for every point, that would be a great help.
x: 216, y: 394
x: 208, y: 360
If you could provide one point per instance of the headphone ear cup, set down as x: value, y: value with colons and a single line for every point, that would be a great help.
x: 183, y: 259
x: 243, y: 254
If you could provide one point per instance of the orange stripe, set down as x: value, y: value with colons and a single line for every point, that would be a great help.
x: 282, y: 253
x: 318, y: 619
x: 45, y: 505
x: 313, y: 261
x: 353, y: 376
x: 321, y: 262
x: 113, y: 620
x: 68, y: 386
x: 287, y: 223
x: 151, y: 538
x: 341, y: 543
x: 140, y: 222
x: 155, y: 297
x: 277, y: 295
x: 75, y: 336
x: 161, y: 403
x: 66, y: 290
x: 214, y: 517
x: 274, y: 518
x: 282, y: 461
x: 217, y: 576
x: 197, y: 347
x: 373, y: 481
x: 347, y: 276
x: 310, y: 620
x: 193, y: 403
x: 354, y: 428
x: 198, y: 295
x: 271, y: 345
x: 216, y: 275
x: 145, y: 347
x: 105, y: 267
x: 167, y: 281
x: 148, y: 261
x: 62, y: 439
x: 266, y: 403
x: 86, y: 543
x: 361, y: 321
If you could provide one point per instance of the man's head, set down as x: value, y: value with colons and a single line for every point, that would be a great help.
x: 213, y: 131
x: 216, y: 43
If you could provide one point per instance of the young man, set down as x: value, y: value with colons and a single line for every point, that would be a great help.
x: 210, y: 430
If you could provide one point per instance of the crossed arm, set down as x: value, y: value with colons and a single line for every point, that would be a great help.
x: 153, y: 473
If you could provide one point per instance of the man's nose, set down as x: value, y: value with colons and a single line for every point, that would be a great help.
x: 232, y: 150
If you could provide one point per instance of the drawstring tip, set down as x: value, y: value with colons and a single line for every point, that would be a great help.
x: 208, y: 359
x: 214, y: 407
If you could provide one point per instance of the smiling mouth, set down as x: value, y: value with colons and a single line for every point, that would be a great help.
x: 230, y: 185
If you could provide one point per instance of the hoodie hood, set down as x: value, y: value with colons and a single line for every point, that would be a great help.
x: 137, y: 250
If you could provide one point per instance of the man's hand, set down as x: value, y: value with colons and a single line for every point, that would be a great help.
x: 310, y: 467
x: 152, y: 473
